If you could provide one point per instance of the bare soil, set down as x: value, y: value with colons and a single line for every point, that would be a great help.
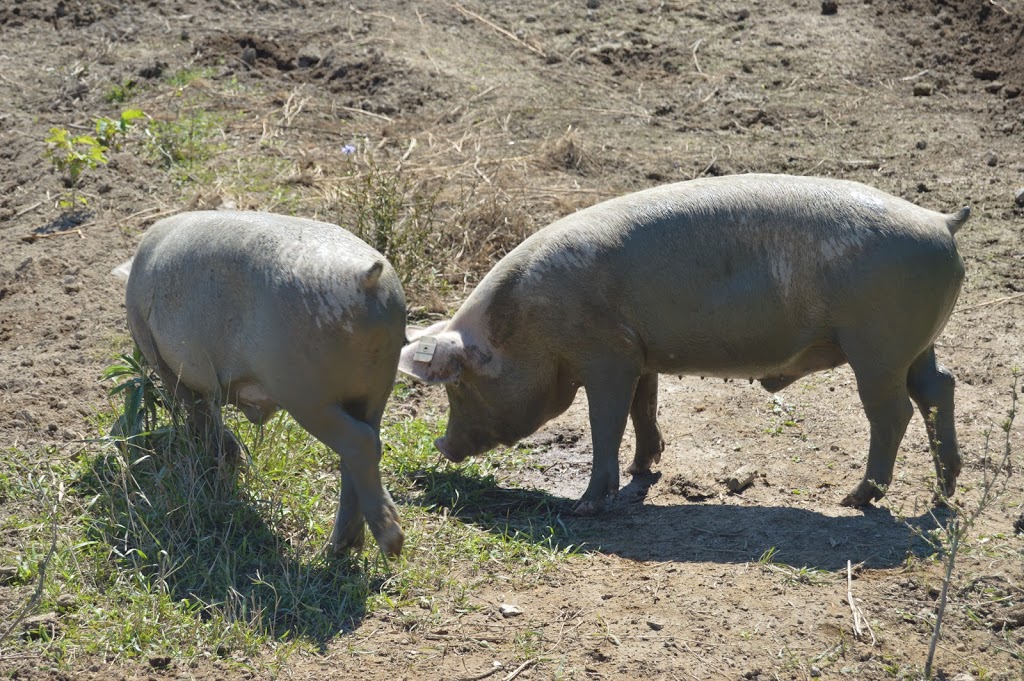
x: 534, y: 109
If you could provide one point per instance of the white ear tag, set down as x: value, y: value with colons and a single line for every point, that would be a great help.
x: 425, y: 349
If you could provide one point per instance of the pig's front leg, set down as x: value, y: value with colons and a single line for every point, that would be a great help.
x: 610, y: 384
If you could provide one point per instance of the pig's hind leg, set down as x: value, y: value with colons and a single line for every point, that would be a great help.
x: 644, y: 413
x: 362, y: 493
x: 203, y: 412
x: 931, y: 387
x: 882, y: 387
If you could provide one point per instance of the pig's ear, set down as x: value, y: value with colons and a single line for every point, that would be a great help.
x: 413, y: 332
x: 434, y: 357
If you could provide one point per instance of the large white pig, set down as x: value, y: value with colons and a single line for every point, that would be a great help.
x: 273, y: 312
x: 767, y: 277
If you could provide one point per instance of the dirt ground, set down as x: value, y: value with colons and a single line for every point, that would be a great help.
x: 537, y: 109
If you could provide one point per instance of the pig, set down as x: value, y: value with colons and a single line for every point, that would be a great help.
x: 271, y: 312
x: 767, y: 277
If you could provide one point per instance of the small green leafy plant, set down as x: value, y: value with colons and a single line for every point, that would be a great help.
x: 72, y: 155
x: 110, y: 132
x: 144, y: 399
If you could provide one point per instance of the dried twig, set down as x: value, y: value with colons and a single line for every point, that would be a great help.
x: 29, y: 209
x: 519, y: 670
x: 694, y: 50
x: 483, y: 675
x: 858, y: 616
x: 353, y: 109
x: 1004, y: 299
x: 35, y: 237
x: 473, y: 15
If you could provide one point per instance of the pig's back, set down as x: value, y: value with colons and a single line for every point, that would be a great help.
x: 744, y: 266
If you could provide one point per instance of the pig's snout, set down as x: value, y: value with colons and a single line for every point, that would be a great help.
x: 442, y: 446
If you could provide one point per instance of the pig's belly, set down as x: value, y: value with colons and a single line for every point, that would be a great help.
x: 752, y: 360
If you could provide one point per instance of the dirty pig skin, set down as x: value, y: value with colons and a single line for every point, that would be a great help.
x: 768, y: 277
x: 273, y: 312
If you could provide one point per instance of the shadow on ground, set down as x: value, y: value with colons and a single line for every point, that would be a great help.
x: 690, y: 532
x: 171, y: 523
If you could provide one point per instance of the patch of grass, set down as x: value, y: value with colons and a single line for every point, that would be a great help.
x: 185, y: 77
x: 793, y: 575
x: 185, y: 141
x: 785, y: 416
x: 119, y: 93
x: 397, y: 213
x: 156, y: 555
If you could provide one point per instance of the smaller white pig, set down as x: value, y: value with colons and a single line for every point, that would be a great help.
x: 766, y: 277
x: 271, y: 312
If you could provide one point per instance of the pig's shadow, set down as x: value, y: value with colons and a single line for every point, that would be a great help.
x: 172, y: 523
x: 691, y: 532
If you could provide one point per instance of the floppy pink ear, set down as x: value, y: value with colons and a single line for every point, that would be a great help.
x: 413, y: 332
x: 434, y: 357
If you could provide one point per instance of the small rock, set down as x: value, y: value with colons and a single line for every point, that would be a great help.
x: 655, y: 626
x: 308, y: 57
x: 1011, y: 91
x: 963, y: 677
x: 159, y: 662
x: 8, y: 573
x: 815, y: 672
x: 508, y: 610
x: 991, y: 159
x: 593, y: 4
x: 27, y: 362
x: 71, y: 284
x: 924, y: 89
x: 829, y: 7
x: 249, y: 56
x: 985, y: 73
x: 994, y: 87
x: 1018, y: 198
x: 921, y: 145
x: 154, y: 70
x: 38, y: 626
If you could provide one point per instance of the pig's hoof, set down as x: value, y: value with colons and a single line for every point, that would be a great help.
x: 587, y: 507
x: 350, y: 539
x: 390, y: 539
x: 641, y: 468
x: 646, y: 455
x: 862, y: 495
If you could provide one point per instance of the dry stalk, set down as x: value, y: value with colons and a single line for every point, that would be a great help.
x: 483, y: 675
x: 694, y: 51
x: 997, y: 301
x: 473, y: 15
x: 29, y: 209
x: 371, y: 114
x: 30, y: 238
x: 858, y: 614
x: 519, y: 670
